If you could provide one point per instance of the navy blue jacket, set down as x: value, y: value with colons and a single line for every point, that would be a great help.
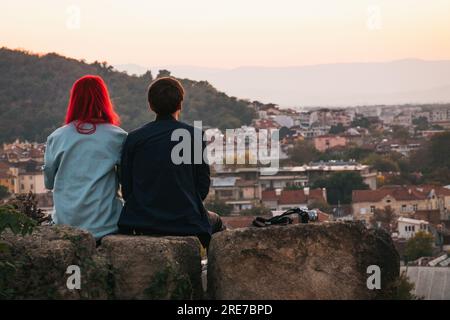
x: 161, y: 197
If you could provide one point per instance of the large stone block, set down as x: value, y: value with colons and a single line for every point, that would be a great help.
x: 154, y: 267
x: 34, y: 266
x: 305, y: 261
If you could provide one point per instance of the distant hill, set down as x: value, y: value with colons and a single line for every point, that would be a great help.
x: 34, y: 92
x: 340, y: 84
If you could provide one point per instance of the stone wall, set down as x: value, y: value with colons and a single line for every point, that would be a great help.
x: 314, y: 261
x: 303, y: 261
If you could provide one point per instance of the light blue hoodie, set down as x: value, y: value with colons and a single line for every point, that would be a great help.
x: 81, y: 169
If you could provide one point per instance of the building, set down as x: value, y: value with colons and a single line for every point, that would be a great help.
x: 403, y: 147
x: 403, y: 119
x: 284, y: 120
x: 298, y: 176
x: 7, y: 177
x: 282, y: 200
x: 407, y: 227
x: 22, y: 177
x: 404, y: 200
x: 234, y: 191
x: 286, y: 177
x: 441, y: 117
x: 31, y: 182
x: 266, y: 124
x: 315, y: 131
x: 438, y: 115
x: 327, y: 142
x: 303, y: 119
x: 331, y: 117
x: 22, y: 152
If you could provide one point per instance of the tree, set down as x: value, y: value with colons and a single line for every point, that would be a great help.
x: 361, y: 122
x: 433, y: 159
x: 400, y: 289
x: 439, y: 150
x: 355, y: 153
x: 421, y: 123
x: 4, y: 193
x: 400, y: 133
x: 381, y: 163
x: 218, y: 206
x: 163, y: 73
x: 339, y: 128
x: 303, y: 152
x: 340, y: 186
x: 421, y: 245
x: 293, y: 187
x: 37, y: 87
x: 284, y: 131
x: 28, y: 205
x: 384, y: 218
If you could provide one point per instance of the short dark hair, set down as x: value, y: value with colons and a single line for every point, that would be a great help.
x: 165, y: 95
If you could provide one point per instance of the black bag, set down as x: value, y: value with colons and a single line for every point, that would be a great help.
x: 304, y: 217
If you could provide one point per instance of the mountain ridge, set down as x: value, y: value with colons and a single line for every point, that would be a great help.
x: 403, y: 81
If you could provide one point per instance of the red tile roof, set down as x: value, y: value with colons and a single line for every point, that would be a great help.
x: 292, y: 196
x: 269, y: 195
x: 399, y: 193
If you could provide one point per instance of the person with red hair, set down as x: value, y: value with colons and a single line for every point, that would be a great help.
x: 82, y: 159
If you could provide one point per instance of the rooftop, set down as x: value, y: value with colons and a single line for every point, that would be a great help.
x: 399, y: 193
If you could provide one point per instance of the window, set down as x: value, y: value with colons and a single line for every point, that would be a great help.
x: 22, y: 187
x: 413, y: 228
x: 226, y: 193
x: 388, y: 201
x: 403, y: 207
x: 362, y: 211
x: 372, y: 209
x: 406, y: 228
x: 414, y: 207
x: 31, y: 186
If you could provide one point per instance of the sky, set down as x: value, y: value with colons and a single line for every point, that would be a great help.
x: 229, y: 33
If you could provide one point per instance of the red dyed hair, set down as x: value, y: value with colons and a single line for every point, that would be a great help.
x: 90, y: 103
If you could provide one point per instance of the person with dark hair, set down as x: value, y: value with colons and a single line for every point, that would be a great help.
x: 162, y: 197
x: 81, y: 160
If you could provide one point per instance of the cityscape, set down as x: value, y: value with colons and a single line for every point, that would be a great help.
x: 405, y: 205
x: 227, y: 156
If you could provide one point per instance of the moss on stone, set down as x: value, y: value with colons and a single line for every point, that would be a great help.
x: 169, y: 284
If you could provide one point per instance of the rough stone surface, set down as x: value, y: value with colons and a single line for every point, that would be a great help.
x: 154, y: 267
x: 34, y: 266
x: 313, y: 261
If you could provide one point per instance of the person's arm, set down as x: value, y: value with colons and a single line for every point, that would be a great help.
x: 51, y: 164
x: 126, y: 178
x: 202, y: 172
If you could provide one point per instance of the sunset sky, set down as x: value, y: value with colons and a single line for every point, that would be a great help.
x: 229, y: 33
